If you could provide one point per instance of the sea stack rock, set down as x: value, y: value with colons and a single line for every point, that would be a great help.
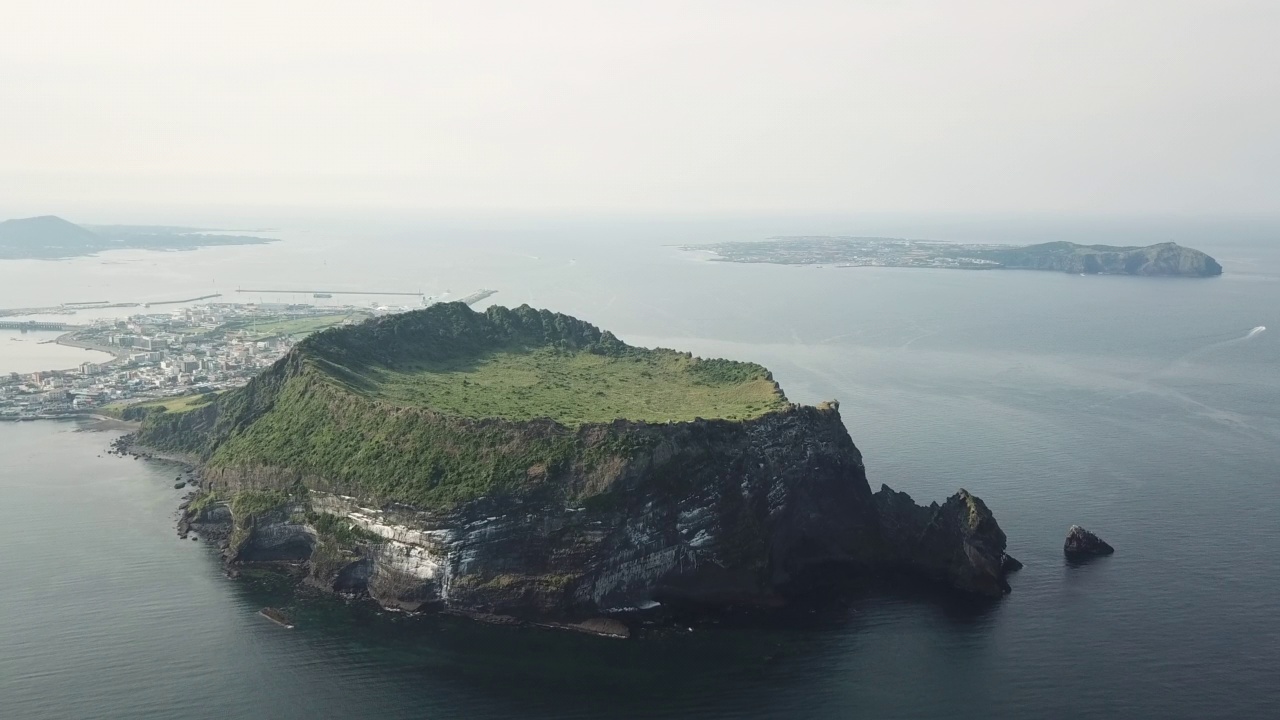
x: 1082, y: 543
x: 957, y: 543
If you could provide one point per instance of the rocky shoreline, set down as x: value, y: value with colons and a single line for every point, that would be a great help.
x: 214, y: 525
x: 188, y: 476
x: 956, y: 546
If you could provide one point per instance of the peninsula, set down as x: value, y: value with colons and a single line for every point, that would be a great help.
x: 51, y: 237
x: 520, y: 463
x: 1169, y: 259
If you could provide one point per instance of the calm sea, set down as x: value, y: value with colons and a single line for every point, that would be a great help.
x: 1136, y: 407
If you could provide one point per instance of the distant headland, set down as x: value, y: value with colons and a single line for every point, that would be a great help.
x: 50, y: 237
x: 1163, y: 259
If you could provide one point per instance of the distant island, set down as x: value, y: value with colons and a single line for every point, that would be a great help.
x: 51, y: 237
x: 522, y: 465
x: 1167, y: 259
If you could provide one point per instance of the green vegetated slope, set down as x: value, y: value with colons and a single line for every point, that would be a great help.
x: 445, y: 404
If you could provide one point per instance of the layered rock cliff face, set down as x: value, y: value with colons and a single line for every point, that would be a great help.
x: 572, y: 521
x: 1168, y: 259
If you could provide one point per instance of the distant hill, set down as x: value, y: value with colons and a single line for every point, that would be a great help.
x: 1167, y: 258
x: 51, y: 237
x: 46, y: 236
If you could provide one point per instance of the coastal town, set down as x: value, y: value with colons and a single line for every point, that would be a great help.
x: 174, y: 359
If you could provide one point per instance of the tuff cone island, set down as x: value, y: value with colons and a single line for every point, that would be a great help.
x: 524, y: 463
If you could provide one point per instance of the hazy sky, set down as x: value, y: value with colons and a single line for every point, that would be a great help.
x: 1092, y: 107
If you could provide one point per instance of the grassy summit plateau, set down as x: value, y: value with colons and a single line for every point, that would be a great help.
x: 579, y: 387
x: 445, y: 404
x: 524, y: 364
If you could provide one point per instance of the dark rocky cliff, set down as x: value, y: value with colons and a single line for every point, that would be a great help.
x: 600, y: 517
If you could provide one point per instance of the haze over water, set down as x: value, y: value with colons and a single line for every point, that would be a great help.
x: 1144, y: 409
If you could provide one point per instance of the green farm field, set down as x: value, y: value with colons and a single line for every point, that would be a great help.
x: 296, y: 328
x: 171, y: 404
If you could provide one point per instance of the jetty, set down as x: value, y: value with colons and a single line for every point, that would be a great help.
x: 477, y: 296
x: 177, y: 302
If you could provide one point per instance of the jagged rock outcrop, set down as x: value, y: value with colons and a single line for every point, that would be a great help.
x: 958, y: 543
x: 1082, y: 543
x: 587, y: 519
x: 1010, y: 564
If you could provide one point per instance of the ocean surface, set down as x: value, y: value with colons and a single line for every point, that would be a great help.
x: 27, y: 351
x: 1142, y: 409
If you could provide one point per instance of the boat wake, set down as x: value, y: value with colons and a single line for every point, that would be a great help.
x: 1225, y: 343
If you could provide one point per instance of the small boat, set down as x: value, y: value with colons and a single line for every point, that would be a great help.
x: 276, y: 617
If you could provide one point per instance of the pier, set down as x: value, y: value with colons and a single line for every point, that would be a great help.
x: 333, y: 292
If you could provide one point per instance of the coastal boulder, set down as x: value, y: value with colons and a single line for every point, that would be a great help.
x: 1082, y: 543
